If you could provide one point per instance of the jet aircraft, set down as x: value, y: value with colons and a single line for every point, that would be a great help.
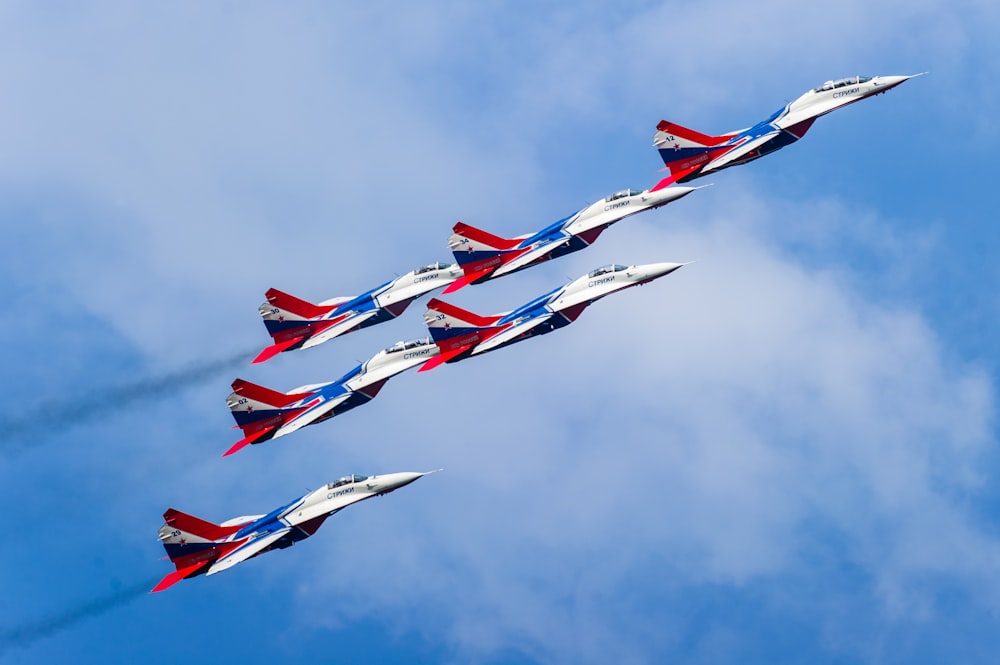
x: 689, y: 154
x: 484, y: 256
x: 198, y: 547
x: 265, y: 414
x: 294, y: 323
x: 460, y: 334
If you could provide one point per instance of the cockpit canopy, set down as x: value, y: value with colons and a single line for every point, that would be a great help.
x: 437, y: 265
x: 840, y: 83
x: 403, y: 346
x: 347, y: 480
x: 622, y: 194
x: 611, y: 267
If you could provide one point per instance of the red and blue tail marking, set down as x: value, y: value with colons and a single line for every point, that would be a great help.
x: 456, y: 331
x: 685, y: 151
x: 260, y: 411
x: 193, y: 544
x: 479, y: 253
x: 290, y: 321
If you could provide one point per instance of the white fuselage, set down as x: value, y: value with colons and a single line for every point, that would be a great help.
x: 618, y: 206
x: 282, y: 527
x: 607, y: 280
x: 390, y: 362
x: 834, y: 95
x: 333, y: 497
x: 416, y: 283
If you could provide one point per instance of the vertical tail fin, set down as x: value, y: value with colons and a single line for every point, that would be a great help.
x: 259, y: 411
x: 479, y: 253
x: 455, y: 330
x: 287, y: 320
x: 192, y: 544
x: 684, y: 151
x: 290, y: 321
x: 195, y: 527
x: 296, y: 306
x: 287, y: 317
x: 446, y: 321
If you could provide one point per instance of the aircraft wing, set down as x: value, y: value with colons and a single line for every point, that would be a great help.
x: 511, y: 333
x: 740, y: 151
x: 240, y: 554
x: 339, y: 327
x: 312, y: 415
x: 528, y: 257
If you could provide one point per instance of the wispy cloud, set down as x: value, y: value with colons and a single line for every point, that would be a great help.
x: 714, y: 429
x: 24, y: 635
x: 32, y: 426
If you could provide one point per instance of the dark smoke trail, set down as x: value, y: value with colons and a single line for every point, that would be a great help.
x: 56, y: 415
x: 26, y: 634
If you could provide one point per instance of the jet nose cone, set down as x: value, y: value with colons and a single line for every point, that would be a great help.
x: 675, y: 192
x: 652, y: 271
x: 889, y: 82
x: 393, y: 481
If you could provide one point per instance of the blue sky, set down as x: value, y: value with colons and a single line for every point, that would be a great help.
x: 784, y: 452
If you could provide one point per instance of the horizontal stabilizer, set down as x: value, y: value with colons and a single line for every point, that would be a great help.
x: 442, y: 358
x: 176, y: 576
x: 676, y: 176
x: 252, y: 548
x: 266, y: 395
x: 297, y: 306
x: 466, y: 279
x: 663, y: 184
x: 275, y: 349
x: 247, y: 440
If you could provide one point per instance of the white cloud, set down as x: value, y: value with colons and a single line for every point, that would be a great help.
x: 709, y: 429
x: 712, y: 430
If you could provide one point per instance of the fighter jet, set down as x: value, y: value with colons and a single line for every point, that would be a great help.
x: 484, y: 256
x: 689, y: 154
x: 198, y: 547
x: 295, y: 323
x: 265, y: 414
x: 460, y: 334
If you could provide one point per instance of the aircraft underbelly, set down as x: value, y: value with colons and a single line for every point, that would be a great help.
x: 776, y: 142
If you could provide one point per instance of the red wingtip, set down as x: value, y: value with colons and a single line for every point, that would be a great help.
x: 247, y: 440
x: 442, y: 358
x: 176, y: 576
x: 457, y: 284
x: 470, y: 277
x: 275, y: 349
x: 236, y: 447
x: 666, y: 182
x: 431, y: 364
x: 676, y: 176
